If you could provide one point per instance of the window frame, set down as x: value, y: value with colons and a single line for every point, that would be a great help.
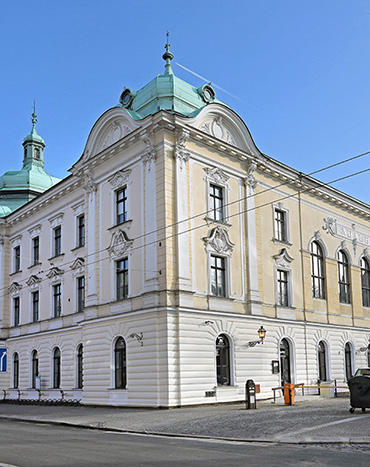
x: 34, y: 368
x: 216, y: 213
x: 80, y: 300
x: 80, y: 231
x: 279, y: 281
x: 16, y: 310
x: 213, y: 276
x: 57, y: 368
x: 15, y: 378
x: 365, y: 281
x: 120, y: 369
x: 121, y: 202
x: 35, y: 250
x: 35, y: 306
x: 226, y: 350
x: 126, y: 279
x: 57, y: 240
x: 344, y: 281
x: 317, y: 271
x: 217, y: 178
x: 281, y: 236
x: 17, y: 259
x: 57, y: 300
x: 79, y: 367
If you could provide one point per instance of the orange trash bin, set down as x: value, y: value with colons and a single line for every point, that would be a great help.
x: 289, y: 394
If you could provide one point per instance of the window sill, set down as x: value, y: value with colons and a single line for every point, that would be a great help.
x: 319, y: 299
x: 117, y: 389
x: 122, y: 224
x: 281, y: 242
x: 209, y: 221
x: 77, y: 247
x: 55, y: 257
x: 15, y: 272
x: 34, y: 265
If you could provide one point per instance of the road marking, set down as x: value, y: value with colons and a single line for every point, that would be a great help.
x: 8, y: 465
x: 317, y: 427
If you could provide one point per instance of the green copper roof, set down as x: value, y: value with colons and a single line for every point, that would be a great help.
x: 17, y: 187
x: 167, y: 92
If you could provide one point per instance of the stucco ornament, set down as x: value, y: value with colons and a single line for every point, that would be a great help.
x: 250, y: 179
x: 78, y: 266
x: 283, y: 259
x: 218, y: 240
x: 90, y: 185
x: 217, y: 129
x: 33, y: 280
x: 55, y: 275
x: 180, y: 149
x: 150, y: 153
x: 120, y: 178
x: 119, y: 244
x: 330, y: 225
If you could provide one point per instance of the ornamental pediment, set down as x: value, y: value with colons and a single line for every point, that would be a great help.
x: 54, y: 272
x: 120, y: 244
x: 78, y: 263
x: 121, y: 178
x: 216, y: 127
x: 33, y: 280
x: 14, y: 287
x: 218, y: 241
x: 216, y: 175
x: 283, y: 259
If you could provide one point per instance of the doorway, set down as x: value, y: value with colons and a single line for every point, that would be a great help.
x: 285, y: 362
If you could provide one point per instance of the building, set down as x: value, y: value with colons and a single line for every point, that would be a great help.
x: 143, y: 277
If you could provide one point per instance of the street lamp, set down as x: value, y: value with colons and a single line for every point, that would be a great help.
x: 261, y: 334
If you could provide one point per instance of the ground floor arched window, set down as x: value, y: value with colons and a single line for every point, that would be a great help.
x: 15, y: 371
x: 80, y: 366
x: 348, y: 360
x: 223, y: 360
x: 285, y: 362
x: 120, y: 374
x: 56, y: 368
x: 323, y: 374
x: 34, y: 368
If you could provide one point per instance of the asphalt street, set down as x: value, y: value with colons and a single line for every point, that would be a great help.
x: 34, y: 445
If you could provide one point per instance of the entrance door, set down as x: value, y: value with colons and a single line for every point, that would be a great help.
x: 285, y: 362
x: 322, y: 362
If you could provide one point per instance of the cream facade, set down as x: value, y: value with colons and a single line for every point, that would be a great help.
x: 141, y: 278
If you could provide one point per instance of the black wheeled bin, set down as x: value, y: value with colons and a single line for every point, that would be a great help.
x: 359, y: 388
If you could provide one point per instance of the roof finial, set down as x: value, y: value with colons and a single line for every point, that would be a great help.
x: 168, y: 56
x: 34, y: 116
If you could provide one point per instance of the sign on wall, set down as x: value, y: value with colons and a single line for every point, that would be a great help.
x: 3, y: 357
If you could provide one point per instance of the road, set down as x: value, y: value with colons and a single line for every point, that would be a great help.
x: 34, y: 445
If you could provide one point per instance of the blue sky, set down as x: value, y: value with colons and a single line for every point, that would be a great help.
x: 300, y: 70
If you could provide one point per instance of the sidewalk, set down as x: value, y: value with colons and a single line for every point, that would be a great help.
x: 311, y: 420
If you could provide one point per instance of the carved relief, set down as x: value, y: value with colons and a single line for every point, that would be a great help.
x: 90, y: 185
x: 218, y: 240
x: 119, y: 244
x: 217, y: 129
x: 330, y: 225
x: 120, y: 179
x: 180, y: 149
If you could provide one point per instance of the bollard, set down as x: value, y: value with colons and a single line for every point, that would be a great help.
x: 289, y: 394
x: 250, y: 395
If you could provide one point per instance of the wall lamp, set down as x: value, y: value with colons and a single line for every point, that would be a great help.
x: 261, y: 334
x: 138, y: 337
x: 365, y: 349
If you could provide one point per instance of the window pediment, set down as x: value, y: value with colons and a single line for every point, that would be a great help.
x: 14, y: 287
x: 216, y: 175
x: 283, y: 259
x: 33, y: 280
x: 121, y: 178
x: 55, y: 274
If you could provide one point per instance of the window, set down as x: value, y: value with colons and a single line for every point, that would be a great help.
x: 216, y: 203
x: 120, y: 364
x: 365, y: 282
x: 35, y: 368
x: 280, y: 221
x: 15, y: 371
x: 56, y: 368
x: 80, y: 366
x: 218, y: 276
x: 122, y: 278
x: 343, y: 277
x: 80, y: 231
x: 282, y: 286
x: 348, y: 360
x: 322, y: 361
x: 16, y: 302
x: 121, y: 205
x: 57, y: 300
x: 17, y: 258
x: 80, y: 294
x: 36, y: 153
x: 317, y: 271
x: 223, y: 360
x: 35, y: 306
x: 57, y: 241
x: 35, y: 251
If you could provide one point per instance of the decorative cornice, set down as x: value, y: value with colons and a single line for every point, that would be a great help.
x: 119, y: 244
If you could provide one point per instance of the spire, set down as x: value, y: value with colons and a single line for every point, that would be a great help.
x: 34, y: 119
x: 168, y: 56
x: 33, y: 145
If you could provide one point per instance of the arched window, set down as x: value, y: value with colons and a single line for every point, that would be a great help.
x: 323, y: 374
x: 365, y: 282
x: 317, y: 271
x: 56, y: 368
x: 223, y: 360
x: 348, y: 360
x: 35, y: 368
x: 15, y: 371
x: 80, y: 366
x: 120, y: 364
x: 343, y: 277
x: 285, y: 362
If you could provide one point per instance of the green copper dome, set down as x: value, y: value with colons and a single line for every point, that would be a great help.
x: 167, y: 92
x: 17, y: 187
